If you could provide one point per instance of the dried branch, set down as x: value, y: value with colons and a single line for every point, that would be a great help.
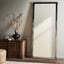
x: 16, y: 22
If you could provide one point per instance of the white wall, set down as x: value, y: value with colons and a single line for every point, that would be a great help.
x: 17, y: 6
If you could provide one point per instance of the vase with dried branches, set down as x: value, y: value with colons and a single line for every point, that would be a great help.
x: 15, y: 23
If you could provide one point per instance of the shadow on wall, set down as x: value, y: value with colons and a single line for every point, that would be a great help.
x: 3, y: 30
x: 10, y: 7
x: 28, y: 31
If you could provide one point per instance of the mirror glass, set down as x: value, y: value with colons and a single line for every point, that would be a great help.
x: 44, y: 30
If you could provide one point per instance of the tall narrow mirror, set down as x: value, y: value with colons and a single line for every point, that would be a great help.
x: 44, y: 30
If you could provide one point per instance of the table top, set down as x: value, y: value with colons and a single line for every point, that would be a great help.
x: 12, y: 40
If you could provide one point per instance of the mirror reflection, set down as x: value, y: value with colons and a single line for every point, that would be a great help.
x: 44, y: 30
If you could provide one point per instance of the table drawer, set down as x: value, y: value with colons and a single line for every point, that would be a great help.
x: 3, y: 47
x: 3, y: 43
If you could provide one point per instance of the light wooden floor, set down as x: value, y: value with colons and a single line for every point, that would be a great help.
x: 38, y: 60
x: 12, y: 62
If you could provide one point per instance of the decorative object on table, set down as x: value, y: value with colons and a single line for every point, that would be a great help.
x: 6, y: 37
x: 9, y: 38
x: 2, y: 56
x: 16, y: 36
x: 15, y: 22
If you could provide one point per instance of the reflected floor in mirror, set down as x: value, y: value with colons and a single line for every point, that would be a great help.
x: 11, y: 62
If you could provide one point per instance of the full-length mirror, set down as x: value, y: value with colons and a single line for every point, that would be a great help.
x: 44, y: 29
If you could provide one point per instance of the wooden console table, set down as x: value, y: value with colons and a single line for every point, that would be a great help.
x: 15, y: 49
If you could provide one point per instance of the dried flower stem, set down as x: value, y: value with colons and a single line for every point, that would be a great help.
x: 16, y: 22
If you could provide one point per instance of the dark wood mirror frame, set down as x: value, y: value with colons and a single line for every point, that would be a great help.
x: 55, y: 22
x: 41, y: 60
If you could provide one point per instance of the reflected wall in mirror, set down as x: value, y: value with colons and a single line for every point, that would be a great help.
x: 44, y: 29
